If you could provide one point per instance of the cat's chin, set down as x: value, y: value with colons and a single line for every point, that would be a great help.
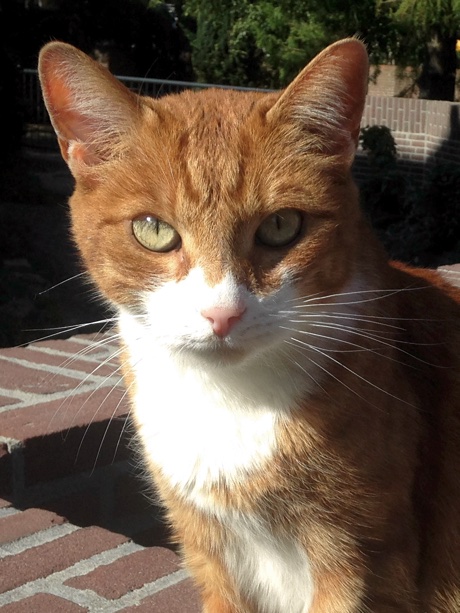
x: 212, y: 354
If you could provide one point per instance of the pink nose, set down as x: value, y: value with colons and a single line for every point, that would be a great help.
x: 223, y: 318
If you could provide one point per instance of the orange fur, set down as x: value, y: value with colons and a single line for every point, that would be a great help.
x: 363, y: 478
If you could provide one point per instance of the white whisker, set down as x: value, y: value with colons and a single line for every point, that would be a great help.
x: 356, y: 374
x: 329, y: 374
x: 49, y: 289
x: 67, y: 329
x: 382, y: 294
x: 304, y: 370
x: 106, y: 430
x: 355, y: 346
x: 358, y: 318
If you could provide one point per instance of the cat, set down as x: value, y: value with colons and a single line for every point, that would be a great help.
x: 296, y: 395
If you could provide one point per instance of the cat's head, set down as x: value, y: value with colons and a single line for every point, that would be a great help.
x: 205, y: 215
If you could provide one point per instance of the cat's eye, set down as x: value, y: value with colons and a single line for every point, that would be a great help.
x: 280, y: 229
x: 155, y: 234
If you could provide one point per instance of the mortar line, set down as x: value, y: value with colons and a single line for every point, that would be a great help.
x: 42, y: 537
x: 33, y: 399
x: 90, y: 359
x: 80, y: 568
x: 55, y: 370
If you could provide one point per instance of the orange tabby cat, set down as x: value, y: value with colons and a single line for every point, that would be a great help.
x: 296, y: 395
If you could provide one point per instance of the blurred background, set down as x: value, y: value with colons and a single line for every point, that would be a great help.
x: 156, y: 48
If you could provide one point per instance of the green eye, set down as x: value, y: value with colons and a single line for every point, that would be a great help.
x: 280, y: 229
x: 155, y: 234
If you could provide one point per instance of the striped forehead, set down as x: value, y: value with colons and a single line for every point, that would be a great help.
x: 212, y: 160
x: 211, y: 124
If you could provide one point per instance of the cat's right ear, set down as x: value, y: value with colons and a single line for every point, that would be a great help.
x: 325, y: 101
x: 90, y: 110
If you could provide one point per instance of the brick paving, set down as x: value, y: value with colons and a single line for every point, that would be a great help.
x: 78, y: 528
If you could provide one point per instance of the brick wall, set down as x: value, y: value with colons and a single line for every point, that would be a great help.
x: 389, y: 80
x: 425, y: 131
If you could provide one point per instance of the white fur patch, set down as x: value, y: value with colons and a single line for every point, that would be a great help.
x: 274, y: 572
x: 195, y: 431
x: 207, y: 408
x: 174, y: 313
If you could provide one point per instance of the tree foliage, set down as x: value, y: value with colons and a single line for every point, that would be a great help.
x: 266, y: 43
x: 427, y: 36
x: 423, y: 14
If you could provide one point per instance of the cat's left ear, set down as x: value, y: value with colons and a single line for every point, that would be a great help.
x: 327, y: 99
x: 91, y: 111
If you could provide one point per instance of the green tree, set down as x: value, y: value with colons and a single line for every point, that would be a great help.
x: 265, y: 43
x: 428, y: 31
x: 223, y: 48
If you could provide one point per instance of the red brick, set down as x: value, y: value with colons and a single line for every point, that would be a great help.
x: 31, y: 379
x: 6, y: 400
x: 46, y: 559
x: 45, y: 418
x: 180, y: 598
x: 43, y: 603
x: 95, y: 345
x: 28, y: 522
x: 128, y: 573
x: 59, y: 361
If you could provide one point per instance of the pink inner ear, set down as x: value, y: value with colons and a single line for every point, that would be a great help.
x: 75, y: 132
x: 57, y: 95
x: 69, y: 124
x: 89, y: 108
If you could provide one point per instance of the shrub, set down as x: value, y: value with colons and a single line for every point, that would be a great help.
x: 419, y: 226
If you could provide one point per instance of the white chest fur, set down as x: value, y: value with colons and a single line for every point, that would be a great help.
x: 274, y: 572
x: 198, y: 429
x: 201, y: 423
x: 196, y: 432
x: 196, y: 435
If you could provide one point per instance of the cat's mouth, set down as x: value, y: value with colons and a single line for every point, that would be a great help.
x: 218, y: 352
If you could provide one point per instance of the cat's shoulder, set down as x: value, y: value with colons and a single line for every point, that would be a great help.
x: 438, y: 281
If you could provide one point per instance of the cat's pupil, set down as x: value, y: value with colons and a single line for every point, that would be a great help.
x: 155, y: 234
x: 280, y: 229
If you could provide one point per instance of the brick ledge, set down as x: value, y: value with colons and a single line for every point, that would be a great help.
x: 78, y: 531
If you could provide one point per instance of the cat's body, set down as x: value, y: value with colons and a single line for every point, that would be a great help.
x: 297, y: 397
